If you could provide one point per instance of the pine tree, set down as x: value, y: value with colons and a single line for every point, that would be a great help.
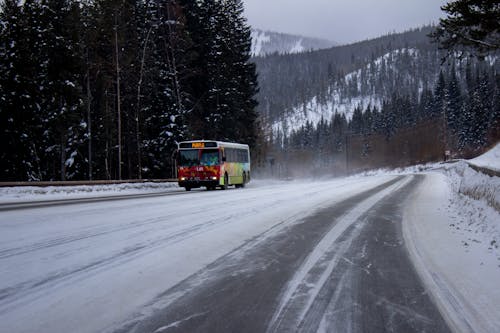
x: 165, y: 106
x: 61, y: 99
x: 26, y: 90
x: 476, y: 114
x: 454, y: 105
x: 356, y: 124
x: 224, y: 83
x: 470, y: 24
x: 440, y: 95
x: 18, y: 117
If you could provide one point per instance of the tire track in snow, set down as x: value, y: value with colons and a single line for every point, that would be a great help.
x: 24, y: 292
x: 95, y: 232
x: 304, y: 287
x: 238, y: 292
x: 383, y: 292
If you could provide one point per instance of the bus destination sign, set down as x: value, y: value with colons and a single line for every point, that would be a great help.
x: 198, y: 145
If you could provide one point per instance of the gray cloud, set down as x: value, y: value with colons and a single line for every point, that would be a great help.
x: 343, y: 21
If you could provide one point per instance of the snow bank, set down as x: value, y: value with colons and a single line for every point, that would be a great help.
x: 467, y: 182
x: 490, y: 159
x: 452, y: 230
x: 452, y: 240
x: 35, y: 193
x: 402, y: 171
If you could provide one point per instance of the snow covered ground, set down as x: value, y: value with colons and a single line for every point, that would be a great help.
x: 452, y: 228
x: 454, y: 243
x: 65, y: 268
x: 35, y: 193
x: 490, y: 159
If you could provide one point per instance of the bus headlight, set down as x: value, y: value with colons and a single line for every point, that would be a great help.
x: 183, y: 179
x: 214, y: 178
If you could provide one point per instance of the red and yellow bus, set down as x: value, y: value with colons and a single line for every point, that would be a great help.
x: 212, y: 164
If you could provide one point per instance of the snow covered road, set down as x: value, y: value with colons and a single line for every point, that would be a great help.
x: 343, y: 268
x: 278, y: 256
x: 91, y: 267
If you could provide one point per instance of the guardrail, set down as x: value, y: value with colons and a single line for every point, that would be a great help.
x: 85, y: 182
x: 486, y: 171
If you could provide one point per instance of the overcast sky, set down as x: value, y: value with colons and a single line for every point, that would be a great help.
x: 343, y: 21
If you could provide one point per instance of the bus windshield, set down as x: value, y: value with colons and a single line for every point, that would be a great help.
x: 193, y: 157
x: 189, y: 157
x: 209, y: 157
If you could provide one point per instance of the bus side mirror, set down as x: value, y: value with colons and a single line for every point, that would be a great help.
x: 223, y: 158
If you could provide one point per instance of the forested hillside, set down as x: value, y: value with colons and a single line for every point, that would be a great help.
x: 390, y: 101
x: 103, y: 89
x: 268, y: 42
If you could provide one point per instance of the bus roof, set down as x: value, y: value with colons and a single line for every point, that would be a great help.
x: 210, y: 144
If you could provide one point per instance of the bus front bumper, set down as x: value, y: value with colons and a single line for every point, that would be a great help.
x: 195, y: 183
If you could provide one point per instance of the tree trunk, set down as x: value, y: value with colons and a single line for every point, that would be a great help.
x: 137, y: 119
x: 63, y: 158
x: 89, y: 119
x: 118, y: 102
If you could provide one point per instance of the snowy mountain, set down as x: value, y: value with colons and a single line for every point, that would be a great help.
x: 300, y: 88
x: 357, y: 89
x: 267, y: 42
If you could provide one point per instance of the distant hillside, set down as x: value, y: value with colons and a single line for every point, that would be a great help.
x: 267, y: 42
x: 298, y: 87
x: 389, y: 101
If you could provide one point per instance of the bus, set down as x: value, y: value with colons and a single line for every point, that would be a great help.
x: 212, y: 164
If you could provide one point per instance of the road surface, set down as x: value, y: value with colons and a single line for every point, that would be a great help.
x: 306, y: 257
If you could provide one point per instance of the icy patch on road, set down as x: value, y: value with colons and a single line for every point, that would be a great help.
x: 177, y: 323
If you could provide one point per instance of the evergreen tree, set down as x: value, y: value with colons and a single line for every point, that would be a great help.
x: 356, y: 124
x: 18, y: 118
x: 224, y: 82
x: 470, y: 24
x: 440, y: 97
x: 164, y: 109
x: 454, y: 105
x: 42, y: 84
x: 339, y: 128
x: 61, y: 97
